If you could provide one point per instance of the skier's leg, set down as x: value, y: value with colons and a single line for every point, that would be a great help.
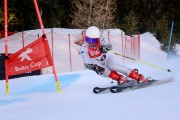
x: 138, y: 77
x: 120, y: 68
x: 111, y: 74
x: 113, y: 64
x: 117, y: 77
x: 105, y: 70
x: 130, y: 73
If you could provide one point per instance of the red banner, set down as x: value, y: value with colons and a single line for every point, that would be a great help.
x: 34, y: 56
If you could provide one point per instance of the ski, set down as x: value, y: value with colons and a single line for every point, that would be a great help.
x: 99, y: 90
x: 103, y: 89
x: 130, y: 86
x: 116, y: 89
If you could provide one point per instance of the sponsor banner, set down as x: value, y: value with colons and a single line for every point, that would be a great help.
x: 2, y: 70
x: 34, y: 56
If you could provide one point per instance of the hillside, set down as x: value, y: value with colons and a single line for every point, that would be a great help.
x: 36, y: 97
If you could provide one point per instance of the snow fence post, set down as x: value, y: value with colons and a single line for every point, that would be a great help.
x: 70, y: 60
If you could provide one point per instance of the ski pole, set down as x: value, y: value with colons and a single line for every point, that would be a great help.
x: 141, y: 62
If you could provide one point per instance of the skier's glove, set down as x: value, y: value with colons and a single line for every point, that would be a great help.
x: 89, y: 66
x: 99, y: 70
x: 105, y: 48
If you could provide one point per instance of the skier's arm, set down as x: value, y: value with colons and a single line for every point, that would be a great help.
x: 88, y: 62
x: 89, y: 66
x: 105, y: 46
x: 84, y: 55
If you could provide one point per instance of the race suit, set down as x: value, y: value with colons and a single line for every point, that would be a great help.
x: 105, y: 60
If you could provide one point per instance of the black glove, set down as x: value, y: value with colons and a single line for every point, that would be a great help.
x: 89, y: 66
x: 105, y: 48
x: 99, y: 70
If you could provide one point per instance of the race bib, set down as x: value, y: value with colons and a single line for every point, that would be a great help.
x: 93, y: 53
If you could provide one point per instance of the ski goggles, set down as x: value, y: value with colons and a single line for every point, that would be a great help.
x: 92, y: 40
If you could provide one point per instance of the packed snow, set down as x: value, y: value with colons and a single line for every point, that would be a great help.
x: 36, y: 97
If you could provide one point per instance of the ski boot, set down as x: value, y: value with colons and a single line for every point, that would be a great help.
x: 138, y: 77
x: 118, y: 77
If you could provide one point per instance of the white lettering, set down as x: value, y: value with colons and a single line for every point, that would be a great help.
x: 33, y: 64
x: 25, y: 67
x: 21, y: 68
x: 94, y: 53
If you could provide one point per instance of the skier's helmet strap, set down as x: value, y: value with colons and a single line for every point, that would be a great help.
x: 93, y: 32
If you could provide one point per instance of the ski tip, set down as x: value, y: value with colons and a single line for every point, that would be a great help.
x: 97, y: 90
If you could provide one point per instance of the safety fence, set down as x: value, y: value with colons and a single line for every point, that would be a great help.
x: 2, y: 34
x: 65, y: 48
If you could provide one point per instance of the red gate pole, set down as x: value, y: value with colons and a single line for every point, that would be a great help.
x: 122, y: 41
x: 52, y: 38
x: 42, y: 28
x: 139, y: 45
x: 39, y: 16
x: 70, y: 52
x: 122, y: 45
x: 82, y: 34
x: 23, y: 38
x: 131, y: 46
x: 6, y: 43
x: 108, y: 37
x: 125, y: 47
x: 134, y: 47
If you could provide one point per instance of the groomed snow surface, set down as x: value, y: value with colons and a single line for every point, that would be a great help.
x: 36, y: 97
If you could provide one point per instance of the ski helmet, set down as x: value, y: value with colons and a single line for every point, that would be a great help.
x: 93, y: 32
x: 93, y: 35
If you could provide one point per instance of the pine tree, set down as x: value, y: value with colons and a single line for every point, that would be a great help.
x: 100, y: 13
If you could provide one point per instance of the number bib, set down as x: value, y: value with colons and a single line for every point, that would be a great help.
x: 94, y: 53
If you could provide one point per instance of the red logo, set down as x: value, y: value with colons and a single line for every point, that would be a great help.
x: 93, y: 53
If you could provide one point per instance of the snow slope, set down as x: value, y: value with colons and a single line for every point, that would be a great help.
x: 36, y: 97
